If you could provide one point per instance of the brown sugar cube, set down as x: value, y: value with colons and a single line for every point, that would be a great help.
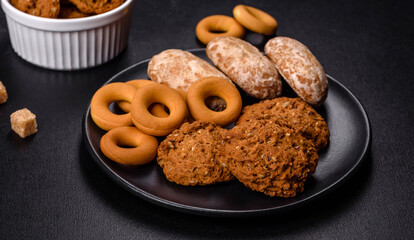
x: 3, y: 93
x: 23, y: 122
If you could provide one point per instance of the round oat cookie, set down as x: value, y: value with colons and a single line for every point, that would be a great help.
x: 188, y: 156
x: 70, y: 11
x: 293, y: 113
x: 270, y: 159
x: 40, y: 8
x: 96, y: 6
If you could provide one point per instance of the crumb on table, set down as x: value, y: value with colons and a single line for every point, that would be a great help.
x: 3, y: 93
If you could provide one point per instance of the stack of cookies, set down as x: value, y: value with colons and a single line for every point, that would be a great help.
x: 273, y: 147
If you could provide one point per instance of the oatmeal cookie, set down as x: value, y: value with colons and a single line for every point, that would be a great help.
x: 70, y: 11
x: 188, y: 155
x: 96, y: 6
x: 293, y: 113
x: 268, y: 158
x: 40, y: 8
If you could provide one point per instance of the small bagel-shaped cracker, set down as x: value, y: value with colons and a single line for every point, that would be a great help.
x: 155, y: 109
x: 137, y: 83
x: 218, y: 25
x: 150, y: 124
x: 107, y: 94
x: 128, y: 145
x: 214, y: 86
x: 158, y: 109
x: 255, y: 19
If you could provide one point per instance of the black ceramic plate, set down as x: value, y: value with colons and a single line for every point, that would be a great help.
x: 349, y: 142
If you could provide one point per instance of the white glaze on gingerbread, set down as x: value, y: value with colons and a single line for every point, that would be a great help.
x: 179, y: 69
x: 246, y: 66
x: 300, y: 68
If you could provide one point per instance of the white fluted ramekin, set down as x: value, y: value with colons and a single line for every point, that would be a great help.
x: 68, y: 44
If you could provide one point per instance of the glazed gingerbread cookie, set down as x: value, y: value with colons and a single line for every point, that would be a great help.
x: 40, y: 8
x: 179, y: 69
x: 246, y: 66
x: 300, y: 69
x: 188, y: 156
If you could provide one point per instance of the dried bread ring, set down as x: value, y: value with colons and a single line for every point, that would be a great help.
x: 155, y: 109
x: 137, y: 83
x: 107, y: 94
x: 150, y: 124
x: 218, y: 25
x: 219, y: 87
x: 128, y: 145
x: 158, y: 109
x: 255, y: 19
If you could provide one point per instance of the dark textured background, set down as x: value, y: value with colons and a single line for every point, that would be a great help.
x: 50, y: 188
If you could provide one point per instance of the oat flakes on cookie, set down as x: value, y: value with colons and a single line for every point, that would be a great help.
x: 70, y: 11
x: 293, y: 113
x: 188, y: 156
x: 268, y: 158
x: 40, y: 8
x: 96, y: 6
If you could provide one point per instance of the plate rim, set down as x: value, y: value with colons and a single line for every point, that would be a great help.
x: 224, y: 212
